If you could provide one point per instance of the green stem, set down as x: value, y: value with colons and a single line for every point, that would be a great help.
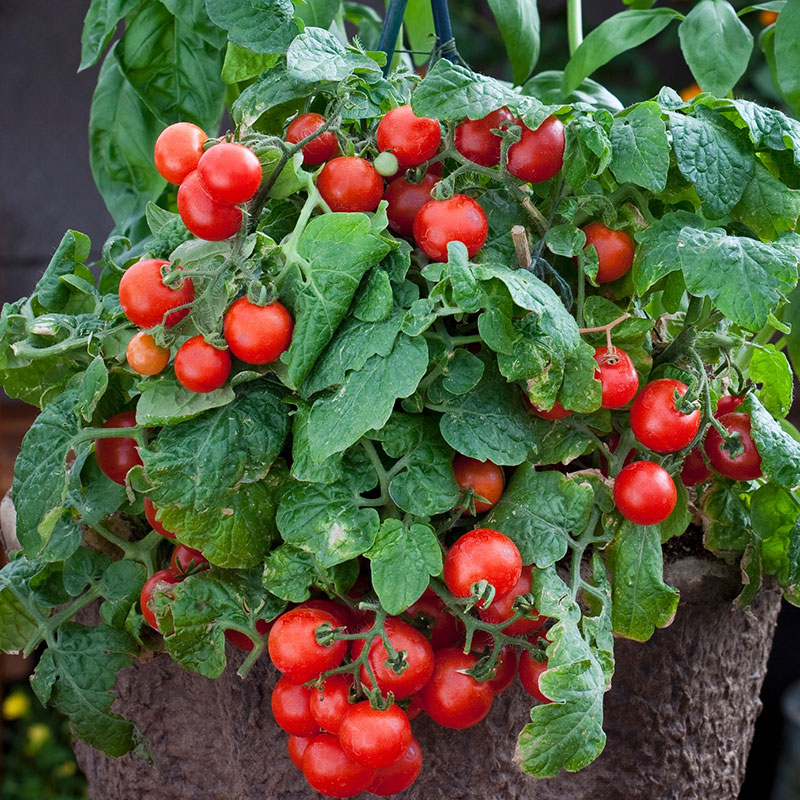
x: 574, y: 24
x: 252, y: 657
x: 67, y: 613
x: 585, y: 540
x: 88, y: 434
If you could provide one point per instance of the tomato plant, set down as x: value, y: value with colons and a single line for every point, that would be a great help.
x: 353, y: 378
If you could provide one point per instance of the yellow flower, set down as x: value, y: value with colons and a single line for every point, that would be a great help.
x: 16, y: 705
x: 38, y: 734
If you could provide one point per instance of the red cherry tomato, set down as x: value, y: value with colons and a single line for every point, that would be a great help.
x: 556, y: 412
x: 482, y: 554
x: 744, y: 467
x: 375, y: 737
x: 178, y: 150
x: 116, y: 456
x: 145, y: 299
x: 655, y: 421
x: 505, y: 671
x: 412, y: 139
x: 150, y: 512
x: 728, y: 403
x: 348, y: 183
x: 644, y: 493
x: 204, y: 217
x: 158, y: 582
x: 258, y: 334
x: 145, y: 356
x: 431, y: 612
x: 322, y: 148
x: 185, y: 560
x: 342, y: 614
x: 291, y: 708
x: 414, y: 707
x: 529, y: 671
x: 419, y: 655
x: 200, y: 367
x: 618, y: 377
x: 457, y: 219
x: 297, y: 747
x: 539, y: 154
x: 453, y: 699
x: 475, y: 141
x: 332, y: 702
x: 399, y: 776
x: 230, y: 173
x: 614, y: 251
x: 243, y: 642
x: 405, y: 199
x: 483, y: 477
x: 694, y: 470
x: 331, y: 771
x: 293, y: 645
x: 502, y: 609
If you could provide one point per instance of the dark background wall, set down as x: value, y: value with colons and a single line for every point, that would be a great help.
x: 47, y: 187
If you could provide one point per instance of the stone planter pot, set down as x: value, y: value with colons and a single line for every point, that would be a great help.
x: 679, y: 720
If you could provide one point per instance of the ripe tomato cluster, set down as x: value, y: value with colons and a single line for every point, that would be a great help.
x: 347, y: 703
x: 212, y: 182
x: 352, y: 183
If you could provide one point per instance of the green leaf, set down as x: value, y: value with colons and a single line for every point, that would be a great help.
x: 450, y: 92
x: 317, y: 55
x: 623, y: 31
x: 173, y: 68
x: 518, y: 21
x: 195, y: 613
x: 418, y: 24
x: 539, y: 510
x: 40, y: 472
x: 557, y: 441
x: 726, y: 521
x: 713, y: 155
x: 567, y: 733
x: 787, y: 52
x: 327, y: 521
x: 771, y: 369
x: 122, y: 134
x: 238, y: 529
x: 402, y: 559
x: 194, y: 463
x: 121, y: 586
x: 77, y: 673
x: 745, y: 278
x: 641, y: 600
x: 768, y: 207
x: 716, y: 45
x: 366, y: 397
x: 92, y: 387
x: 780, y: 453
x: 164, y: 401
x: 490, y: 421
x: 425, y: 485
x: 263, y: 26
x: 657, y: 248
x: 289, y: 573
x: 21, y: 612
x: 640, y: 149
x: 73, y: 251
x: 319, y: 13
x: 587, y: 151
x: 338, y: 249
x: 354, y: 343
x: 769, y: 128
x: 242, y: 64
x: 99, y: 25
x: 546, y: 87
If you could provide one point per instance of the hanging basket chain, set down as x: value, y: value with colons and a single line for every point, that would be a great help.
x: 390, y: 31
